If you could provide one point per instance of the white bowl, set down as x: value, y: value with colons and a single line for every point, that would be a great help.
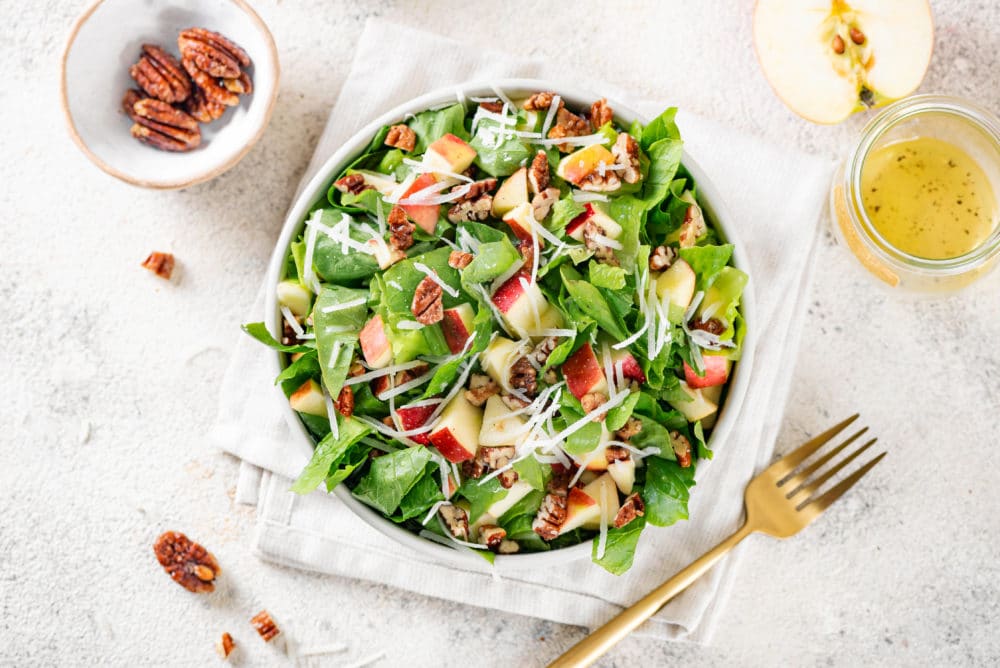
x: 103, y: 44
x: 317, y: 189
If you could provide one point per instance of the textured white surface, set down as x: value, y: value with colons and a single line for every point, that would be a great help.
x: 111, y: 378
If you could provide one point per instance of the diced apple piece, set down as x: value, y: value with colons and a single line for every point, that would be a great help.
x: 521, y: 220
x: 295, y: 297
x: 457, y: 433
x: 698, y: 408
x: 631, y: 369
x: 551, y: 317
x: 383, y: 183
x: 496, y: 360
x: 716, y: 372
x: 412, y: 418
x: 605, y: 492
x: 623, y: 473
x: 519, y: 306
x: 584, y: 373
x: 517, y: 491
x: 309, y: 399
x: 574, y: 228
x: 449, y: 154
x: 677, y: 284
x: 424, y: 215
x: 580, y: 508
x: 374, y: 344
x: 512, y: 192
x: 457, y: 326
x: 576, y: 166
x: 499, y: 428
x: 385, y: 255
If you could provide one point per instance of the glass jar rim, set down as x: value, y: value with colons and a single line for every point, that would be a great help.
x: 901, y: 110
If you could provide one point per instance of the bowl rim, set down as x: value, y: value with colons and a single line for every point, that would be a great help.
x: 215, y: 171
x: 318, y: 185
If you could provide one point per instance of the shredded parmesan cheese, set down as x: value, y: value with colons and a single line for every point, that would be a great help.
x: 421, y: 267
x: 292, y: 321
x: 343, y: 306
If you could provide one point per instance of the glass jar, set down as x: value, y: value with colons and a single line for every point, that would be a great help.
x: 960, y: 123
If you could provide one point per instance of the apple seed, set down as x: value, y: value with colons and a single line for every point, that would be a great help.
x: 857, y: 36
x: 838, y: 45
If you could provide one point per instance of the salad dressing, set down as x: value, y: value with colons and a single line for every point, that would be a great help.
x: 928, y: 198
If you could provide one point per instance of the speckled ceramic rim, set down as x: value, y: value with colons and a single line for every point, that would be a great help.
x: 901, y: 112
x: 317, y: 189
x: 272, y: 51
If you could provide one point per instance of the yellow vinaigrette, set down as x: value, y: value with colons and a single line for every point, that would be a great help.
x: 928, y: 198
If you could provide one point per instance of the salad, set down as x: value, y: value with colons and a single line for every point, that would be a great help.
x: 509, y: 327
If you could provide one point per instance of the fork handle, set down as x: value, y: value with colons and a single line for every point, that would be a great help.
x: 600, y: 641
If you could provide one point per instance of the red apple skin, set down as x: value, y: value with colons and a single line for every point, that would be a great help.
x: 507, y: 294
x: 582, y: 371
x: 577, y: 497
x: 715, y: 372
x: 572, y: 225
x: 450, y: 447
x: 373, y: 340
x: 630, y: 367
x: 411, y: 418
x: 456, y: 330
x: 424, y: 215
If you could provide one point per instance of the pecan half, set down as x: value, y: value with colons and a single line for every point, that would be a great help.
x: 459, y: 259
x: 456, y: 519
x: 480, y: 389
x: 616, y: 453
x: 471, y: 210
x: 241, y: 85
x: 493, y: 106
x: 601, y: 113
x: 629, y: 429
x: 541, y: 100
x: 524, y: 377
x: 601, y: 180
x: 712, y: 326
x: 203, y: 109
x: 265, y: 625
x: 213, y: 53
x: 626, y: 152
x: 682, y: 448
x: 402, y: 137
x: 344, y: 403
x: 591, y: 401
x: 475, y: 189
x: 473, y: 468
x: 188, y: 563
x: 662, y: 258
x: 602, y: 253
x: 355, y: 185
x: 631, y: 508
x: 507, y: 478
x: 496, y: 457
x: 213, y: 91
x: 551, y: 516
x: 544, y: 349
x: 542, y: 203
x: 160, y: 75
x: 400, y: 228
x: 161, y: 125
x: 225, y: 646
x: 538, y: 173
x: 692, y: 227
x: 491, y: 536
x: 427, y: 306
x: 568, y: 124
x: 161, y: 264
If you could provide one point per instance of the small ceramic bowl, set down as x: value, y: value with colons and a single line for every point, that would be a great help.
x: 107, y: 39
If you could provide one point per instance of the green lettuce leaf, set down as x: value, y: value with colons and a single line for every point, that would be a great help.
x: 390, y: 477
x: 667, y: 491
x: 328, y: 452
x: 430, y: 126
x: 661, y: 127
x: 481, y: 497
x: 259, y: 331
x: 664, y: 159
x: 619, y: 549
x: 606, y: 276
x: 707, y: 261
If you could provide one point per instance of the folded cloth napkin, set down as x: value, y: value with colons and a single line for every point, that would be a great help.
x: 318, y: 532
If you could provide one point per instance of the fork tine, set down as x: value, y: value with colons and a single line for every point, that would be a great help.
x: 814, y: 485
x: 819, y: 504
x: 789, y: 462
x: 793, y: 482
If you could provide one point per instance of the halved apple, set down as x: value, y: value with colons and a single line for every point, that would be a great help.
x: 583, y: 373
x: 456, y: 435
x: 309, y: 399
x: 457, y: 326
x: 374, y: 344
x: 826, y: 59
x: 511, y: 193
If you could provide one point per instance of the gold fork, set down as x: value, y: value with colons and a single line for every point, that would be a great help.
x: 779, y: 502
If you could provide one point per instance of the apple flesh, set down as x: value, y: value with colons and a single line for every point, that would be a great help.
x: 383, y: 183
x: 826, y: 60
x: 630, y: 367
x: 456, y: 435
x: 499, y: 428
x: 580, y: 164
x: 521, y: 220
x: 583, y: 373
x: 574, y: 228
x: 623, y: 473
x: 412, y: 418
x: 512, y: 193
x: 424, y: 215
x: 580, y: 507
x: 374, y: 344
x: 604, y: 490
x: 309, y: 399
x: 716, y: 372
x: 457, y: 326
x: 449, y: 154
x: 496, y: 360
x: 295, y: 297
x: 519, y: 305
x: 517, y: 491
x: 385, y: 255
x: 699, y: 408
x: 677, y: 285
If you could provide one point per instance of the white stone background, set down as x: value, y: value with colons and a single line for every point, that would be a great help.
x: 904, y: 572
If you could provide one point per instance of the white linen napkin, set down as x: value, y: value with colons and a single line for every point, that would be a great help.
x: 777, y: 210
